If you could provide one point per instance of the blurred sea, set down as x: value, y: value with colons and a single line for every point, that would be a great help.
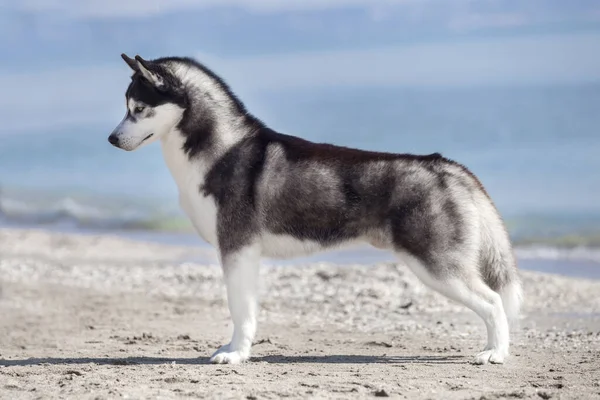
x: 536, y: 149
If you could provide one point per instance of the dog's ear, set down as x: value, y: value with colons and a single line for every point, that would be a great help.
x: 131, y: 62
x: 148, y: 71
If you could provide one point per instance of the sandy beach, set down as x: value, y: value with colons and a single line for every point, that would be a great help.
x: 101, y: 317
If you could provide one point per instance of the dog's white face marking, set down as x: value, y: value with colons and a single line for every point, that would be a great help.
x: 144, y: 124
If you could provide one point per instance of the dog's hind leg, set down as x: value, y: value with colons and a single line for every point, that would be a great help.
x: 240, y: 270
x: 469, y: 289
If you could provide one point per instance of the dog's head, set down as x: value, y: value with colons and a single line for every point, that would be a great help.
x: 155, y: 104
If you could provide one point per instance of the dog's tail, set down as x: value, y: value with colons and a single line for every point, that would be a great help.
x: 499, y: 266
x: 512, y: 299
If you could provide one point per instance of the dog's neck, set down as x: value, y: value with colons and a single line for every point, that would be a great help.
x: 215, y: 120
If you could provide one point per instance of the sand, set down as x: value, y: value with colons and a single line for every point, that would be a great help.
x: 100, y: 317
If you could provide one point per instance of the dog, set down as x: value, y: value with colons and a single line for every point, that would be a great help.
x: 252, y: 192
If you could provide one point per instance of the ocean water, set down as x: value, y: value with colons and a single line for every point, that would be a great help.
x: 536, y: 149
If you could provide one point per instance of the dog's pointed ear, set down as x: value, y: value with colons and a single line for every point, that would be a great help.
x: 131, y: 62
x: 149, y: 72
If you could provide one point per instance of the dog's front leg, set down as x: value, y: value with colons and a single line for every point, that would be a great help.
x: 240, y: 269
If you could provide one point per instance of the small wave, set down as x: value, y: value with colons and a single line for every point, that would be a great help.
x: 43, y: 210
x: 541, y: 252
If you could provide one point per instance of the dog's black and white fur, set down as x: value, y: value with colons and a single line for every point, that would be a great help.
x: 252, y: 192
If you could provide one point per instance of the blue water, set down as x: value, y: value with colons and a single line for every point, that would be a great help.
x: 535, y: 149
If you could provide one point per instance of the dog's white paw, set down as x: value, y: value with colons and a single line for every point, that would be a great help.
x: 493, y: 356
x: 225, y: 356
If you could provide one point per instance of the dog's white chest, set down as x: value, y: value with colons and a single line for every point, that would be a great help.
x: 189, y: 177
x: 202, y: 211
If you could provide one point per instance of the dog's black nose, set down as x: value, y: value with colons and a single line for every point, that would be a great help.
x: 113, y: 139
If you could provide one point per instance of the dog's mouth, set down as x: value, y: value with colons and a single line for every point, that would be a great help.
x: 148, y: 137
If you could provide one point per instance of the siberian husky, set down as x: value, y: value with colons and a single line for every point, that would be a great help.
x: 252, y: 192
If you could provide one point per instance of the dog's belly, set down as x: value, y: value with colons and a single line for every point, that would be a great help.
x: 202, y: 212
x: 286, y: 246
x: 278, y: 246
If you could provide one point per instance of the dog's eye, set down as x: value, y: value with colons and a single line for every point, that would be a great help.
x: 138, y: 110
